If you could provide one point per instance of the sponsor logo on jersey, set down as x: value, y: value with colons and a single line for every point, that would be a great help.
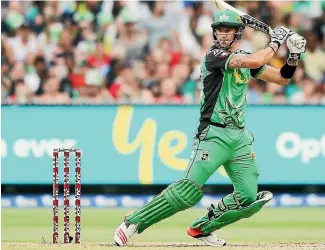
x: 205, y: 156
x: 240, y: 77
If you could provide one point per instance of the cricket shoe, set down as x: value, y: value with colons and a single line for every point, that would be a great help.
x: 124, y: 232
x: 209, y: 239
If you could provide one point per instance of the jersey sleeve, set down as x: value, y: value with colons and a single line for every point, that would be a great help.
x: 256, y: 72
x: 217, y: 58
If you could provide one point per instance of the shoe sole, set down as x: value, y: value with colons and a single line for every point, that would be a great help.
x: 210, y: 244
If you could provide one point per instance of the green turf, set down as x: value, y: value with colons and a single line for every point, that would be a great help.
x: 271, y: 225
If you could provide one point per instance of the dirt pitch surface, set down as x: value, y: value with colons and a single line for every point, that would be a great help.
x: 163, y: 246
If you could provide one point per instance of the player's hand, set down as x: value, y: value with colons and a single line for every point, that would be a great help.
x: 296, y: 44
x: 279, y: 35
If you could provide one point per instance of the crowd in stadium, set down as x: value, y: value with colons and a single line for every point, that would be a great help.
x: 94, y: 52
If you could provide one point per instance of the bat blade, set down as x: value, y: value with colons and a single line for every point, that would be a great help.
x: 247, y: 19
x: 222, y: 5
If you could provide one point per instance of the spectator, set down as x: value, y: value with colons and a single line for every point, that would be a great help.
x: 92, y: 92
x: 50, y: 37
x: 146, y: 97
x: 22, y: 44
x: 99, y: 59
x: 7, y: 50
x: 41, y: 68
x: 124, y: 77
x: 64, y: 44
x: 14, y: 18
x: 314, y: 58
x: 134, y: 41
x: 319, y: 26
x: 172, y: 52
x: 76, y: 73
x: 107, y: 30
x: 292, y: 21
x: 142, y: 52
x: 162, y: 71
x: 150, y: 66
x: 22, y: 94
x: 51, y: 94
x: 318, y: 95
x: 206, y: 42
x: 16, y: 77
x: 169, y: 94
x: 160, y: 25
x: 87, y: 43
x: 188, y: 37
x: 180, y: 74
x: 5, y: 79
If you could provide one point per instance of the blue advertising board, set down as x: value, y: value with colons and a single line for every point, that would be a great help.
x: 152, y: 144
x: 135, y: 201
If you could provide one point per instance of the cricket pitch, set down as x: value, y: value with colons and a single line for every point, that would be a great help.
x: 163, y: 246
x: 271, y: 228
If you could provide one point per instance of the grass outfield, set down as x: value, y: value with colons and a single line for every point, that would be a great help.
x: 272, y: 228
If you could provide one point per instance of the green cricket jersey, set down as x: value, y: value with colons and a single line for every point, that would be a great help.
x: 223, y: 95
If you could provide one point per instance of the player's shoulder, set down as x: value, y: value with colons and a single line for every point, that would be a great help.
x: 215, y: 53
x: 241, y: 51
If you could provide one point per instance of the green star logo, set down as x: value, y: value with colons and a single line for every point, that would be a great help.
x: 223, y: 18
x: 231, y: 114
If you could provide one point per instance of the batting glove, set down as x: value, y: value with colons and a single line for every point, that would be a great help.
x: 296, y: 44
x: 279, y: 35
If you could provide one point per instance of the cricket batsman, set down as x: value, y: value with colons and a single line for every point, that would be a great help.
x: 221, y: 137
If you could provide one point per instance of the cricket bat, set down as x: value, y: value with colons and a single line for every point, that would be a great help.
x: 247, y: 19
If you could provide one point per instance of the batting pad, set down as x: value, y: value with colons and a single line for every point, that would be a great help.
x: 209, y: 224
x: 176, y: 197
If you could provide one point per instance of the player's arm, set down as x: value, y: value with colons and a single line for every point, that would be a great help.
x: 224, y: 59
x: 271, y: 74
x: 251, y: 61
x: 219, y: 58
x: 259, y: 58
x: 296, y: 45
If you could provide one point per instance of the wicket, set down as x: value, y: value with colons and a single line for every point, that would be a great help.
x: 66, y: 195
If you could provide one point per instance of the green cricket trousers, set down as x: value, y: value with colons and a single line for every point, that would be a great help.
x: 213, y: 147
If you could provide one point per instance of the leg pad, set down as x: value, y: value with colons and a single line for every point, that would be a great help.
x: 213, y: 221
x: 176, y: 197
